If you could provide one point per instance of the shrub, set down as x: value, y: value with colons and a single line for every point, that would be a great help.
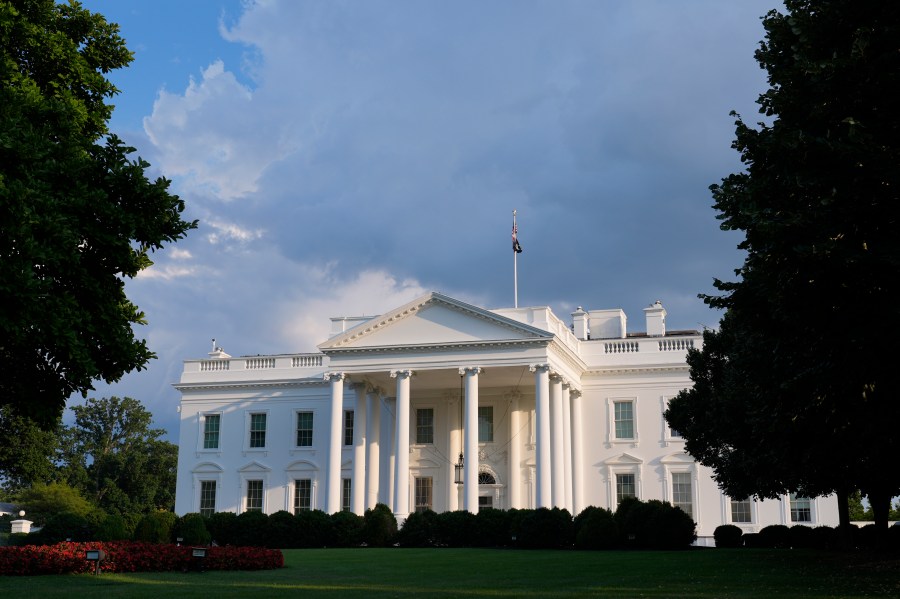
x: 284, y: 530
x: 192, y: 530
x: 823, y: 537
x: 547, y: 529
x: 419, y: 530
x: 380, y: 526
x: 654, y: 524
x: 314, y: 528
x: 62, y: 527
x: 154, y: 528
x: 752, y: 541
x: 596, y: 528
x: 112, y: 528
x: 728, y: 536
x: 801, y: 537
x: 221, y: 527
x: 491, y: 528
x: 775, y: 536
x: 346, y: 529
x: 456, y: 529
x: 251, y: 529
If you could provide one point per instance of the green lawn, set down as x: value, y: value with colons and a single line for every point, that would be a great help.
x: 441, y: 573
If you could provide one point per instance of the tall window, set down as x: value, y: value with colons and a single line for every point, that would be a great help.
x: 423, y: 493
x: 211, y: 431
x: 254, y: 495
x: 625, y: 487
x: 425, y: 425
x: 304, y: 429
x: 345, y: 493
x: 302, y: 495
x: 485, y: 424
x: 800, y: 509
x: 740, y: 512
x: 624, y: 419
x: 257, y: 430
x: 681, y: 492
x: 348, y: 427
x: 207, y: 498
x: 485, y: 502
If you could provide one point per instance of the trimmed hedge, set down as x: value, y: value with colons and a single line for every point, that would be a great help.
x: 728, y: 536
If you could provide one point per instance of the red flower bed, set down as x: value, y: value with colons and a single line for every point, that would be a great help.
x: 127, y: 556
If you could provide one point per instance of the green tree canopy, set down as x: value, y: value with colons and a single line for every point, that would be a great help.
x: 27, y: 451
x: 77, y: 214
x: 795, y: 391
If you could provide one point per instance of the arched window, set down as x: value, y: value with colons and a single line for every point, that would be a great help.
x: 486, y: 478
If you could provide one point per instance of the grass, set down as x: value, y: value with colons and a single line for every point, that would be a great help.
x: 446, y: 573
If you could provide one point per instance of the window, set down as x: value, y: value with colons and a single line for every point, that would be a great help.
x: 800, y: 509
x: 254, y: 496
x: 207, y: 497
x: 681, y: 492
x: 623, y: 413
x: 345, y: 493
x: 625, y: 487
x: 485, y: 502
x: 302, y: 495
x: 486, y: 478
x: 485, y: 424
x: 257, y: 430
x: 348, y: 427
x: 424, y: 486
x: 425, y: 425
x: 740, y: 512
x: 211, y: 431
x: 304, y: 429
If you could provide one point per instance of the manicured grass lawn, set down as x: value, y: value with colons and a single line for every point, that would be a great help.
x: 442, y: 573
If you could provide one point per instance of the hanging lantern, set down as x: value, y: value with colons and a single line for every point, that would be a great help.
x: 460, y: 465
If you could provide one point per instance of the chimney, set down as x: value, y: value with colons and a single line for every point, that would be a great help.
x: 581, y: 324
x: 656, y: 319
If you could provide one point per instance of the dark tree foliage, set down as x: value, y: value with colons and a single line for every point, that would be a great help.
x: 26, y: 451
x: 796, y: 390
x: 78, y: 215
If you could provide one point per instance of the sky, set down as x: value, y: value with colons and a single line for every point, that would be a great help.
x: 344, y: 157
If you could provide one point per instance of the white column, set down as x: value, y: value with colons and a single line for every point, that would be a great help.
x: 556, y: 438
x: 577, y: 454
x: 471, y: 435
x: 567, y: 444
x: 389, y: 459
x: 333, y: 475
x: 373, y: 442
x: 542, y: 431
x: 401, y: 472
x: 358, y: 481
x: 455, y: 448
x: 515, y: 454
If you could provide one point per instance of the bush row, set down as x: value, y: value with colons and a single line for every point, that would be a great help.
x: 130, y: 556
x: 635, y: 524
x: 778, y: 536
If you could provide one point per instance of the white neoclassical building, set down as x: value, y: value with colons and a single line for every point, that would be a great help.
x: 541, y: 413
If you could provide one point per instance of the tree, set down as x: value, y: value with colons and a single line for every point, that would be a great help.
x: 795, y: 391
x: 26, y: 451
x: 128, y: 468
x: 77, y: 214
x: 42, y: 501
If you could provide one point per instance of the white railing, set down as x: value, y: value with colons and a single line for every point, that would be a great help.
x: 306, y: 361
x: 259, y: 363
x: 214, y: 365
x: 621, y: 347
x: 676, y: 344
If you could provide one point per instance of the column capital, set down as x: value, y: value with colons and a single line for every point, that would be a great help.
x: 556, y: 377
x: 335, y: 376
x: 470, y: 370
x: 574, y: 392
x: 401, y: 374
x: 539, y: 367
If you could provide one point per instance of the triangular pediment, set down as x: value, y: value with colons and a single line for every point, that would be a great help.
x: 623, y: 460
x: 677, y: 458
x: 433, y: 319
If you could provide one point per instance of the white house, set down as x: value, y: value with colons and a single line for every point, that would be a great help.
x: 542, y: 413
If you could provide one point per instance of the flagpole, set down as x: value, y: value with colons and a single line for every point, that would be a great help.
x: 515, y: 268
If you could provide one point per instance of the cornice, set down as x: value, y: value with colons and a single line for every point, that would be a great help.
x: 438, y: 347
x: 635, y: 370
x: 306, y: 382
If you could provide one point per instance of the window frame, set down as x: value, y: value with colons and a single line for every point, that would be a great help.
x: 296, y: 429
x: 201, y: 509
x: 347, y: 427
x: 423, y: 494
x: 346, y: 494
x: 201, y: 441
x: 611, y: 435
x: 620, y: 497
x: 296, y: 496
x: 421, y: 428
x: 690, y: 491
x: 796, y: 507
x: 262, y: 495
x: 249, y: 444
x: 489, y: 409
x: 750, y: 511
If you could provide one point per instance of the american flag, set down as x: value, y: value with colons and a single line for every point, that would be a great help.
x: 515, y: 239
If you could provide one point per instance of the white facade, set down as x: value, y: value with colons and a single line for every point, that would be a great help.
x: 544, y: 415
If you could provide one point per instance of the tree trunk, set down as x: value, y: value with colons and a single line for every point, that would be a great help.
x: 843, y: 499
x: 881, y: 508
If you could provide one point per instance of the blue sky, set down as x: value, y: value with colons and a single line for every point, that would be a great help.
x: 343, y: 157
